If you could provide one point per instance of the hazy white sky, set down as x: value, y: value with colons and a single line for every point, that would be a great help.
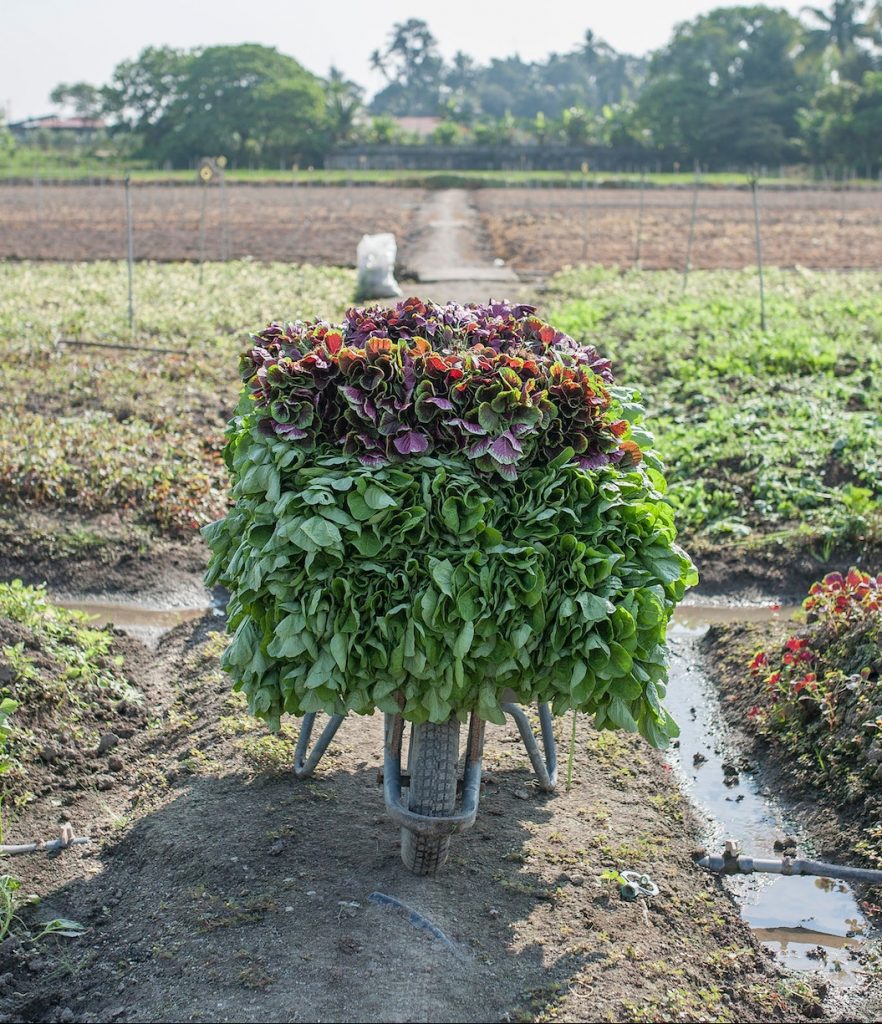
x: 44, y: 42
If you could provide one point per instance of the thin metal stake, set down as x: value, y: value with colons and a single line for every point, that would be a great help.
x: 689, y: 244
x: 572, y: 755
x: 38, y: 192
x: 130, y: 232
x: 584, y: 214
x: 202, y: 213
x: 640, y: 220
x: 759, y: 250
x: 225, y: 237
x: 842, y: 197
x: 298, y: 231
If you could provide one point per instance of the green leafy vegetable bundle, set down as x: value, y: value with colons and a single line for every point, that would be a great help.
x: 436, y: 504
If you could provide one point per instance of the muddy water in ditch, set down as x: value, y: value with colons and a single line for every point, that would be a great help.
x: 792, y: 916
x: 141, y: 621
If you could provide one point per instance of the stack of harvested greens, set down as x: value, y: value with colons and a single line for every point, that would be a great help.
x: 434, y: 504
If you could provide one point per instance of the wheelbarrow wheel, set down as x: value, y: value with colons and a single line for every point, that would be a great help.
x: 432, y: 761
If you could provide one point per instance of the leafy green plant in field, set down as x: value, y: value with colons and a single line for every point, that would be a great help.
x: 421, y: 574
x: 763, y: 432
x: 82, y: 651
x: 9, y: 886
x: 11, y: 903
x: 7, y: 707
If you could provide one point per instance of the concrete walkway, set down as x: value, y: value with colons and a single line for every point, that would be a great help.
x: 445, y: 255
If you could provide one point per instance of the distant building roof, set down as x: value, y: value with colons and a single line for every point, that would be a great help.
x: 422, y: 126
x: 56, y: 123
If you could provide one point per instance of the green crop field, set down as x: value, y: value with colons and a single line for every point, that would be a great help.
x: 766, y: 435
x: 133, y: 430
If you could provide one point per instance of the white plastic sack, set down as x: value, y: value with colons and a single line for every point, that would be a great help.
x: 376, y: 268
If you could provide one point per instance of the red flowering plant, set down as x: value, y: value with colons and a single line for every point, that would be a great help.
x: 822, y: 693
x: 841, y: 599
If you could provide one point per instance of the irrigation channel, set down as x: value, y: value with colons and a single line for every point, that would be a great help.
x: 792, y: 916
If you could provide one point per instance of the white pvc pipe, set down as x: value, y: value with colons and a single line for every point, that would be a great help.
x: 787, y: 866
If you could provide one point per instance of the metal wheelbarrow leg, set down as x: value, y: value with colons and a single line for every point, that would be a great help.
x: 544, y: 765
x: 305, y: 765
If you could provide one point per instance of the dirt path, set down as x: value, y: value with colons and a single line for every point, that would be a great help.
x: 449, y: 253
x: 219, y: 889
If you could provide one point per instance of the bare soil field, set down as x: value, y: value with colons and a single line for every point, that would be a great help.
x: 288, y: 224
x: 535, y: 231
x: 542, y: 230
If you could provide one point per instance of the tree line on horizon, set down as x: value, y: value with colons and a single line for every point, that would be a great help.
x: 738, y: 86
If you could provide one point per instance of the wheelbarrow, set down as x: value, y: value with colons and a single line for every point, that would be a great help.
x: 430, y: 801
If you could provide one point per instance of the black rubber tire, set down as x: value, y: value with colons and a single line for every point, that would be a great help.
x: 432, y: 762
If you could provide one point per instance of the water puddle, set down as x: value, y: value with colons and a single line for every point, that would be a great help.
x: 141, y: 621
x: 809, y: 923
x: 697, y: 617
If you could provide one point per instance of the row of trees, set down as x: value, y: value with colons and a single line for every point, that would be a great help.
x: 752, y: 84
x: 736, y: 86
x: 249, y: 102
x: 419, y: 82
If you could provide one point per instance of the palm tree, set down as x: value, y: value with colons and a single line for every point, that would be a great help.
x: 841, y: 28
x: 839, y: 36
x: 343, y: 99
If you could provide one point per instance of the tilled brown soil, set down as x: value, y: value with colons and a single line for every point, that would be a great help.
x: 534, y: 230
x: 783, y: 568
x: 103, y: 556
x: 279, y: 223
x: 546, y: 229
x: 220, y: 889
